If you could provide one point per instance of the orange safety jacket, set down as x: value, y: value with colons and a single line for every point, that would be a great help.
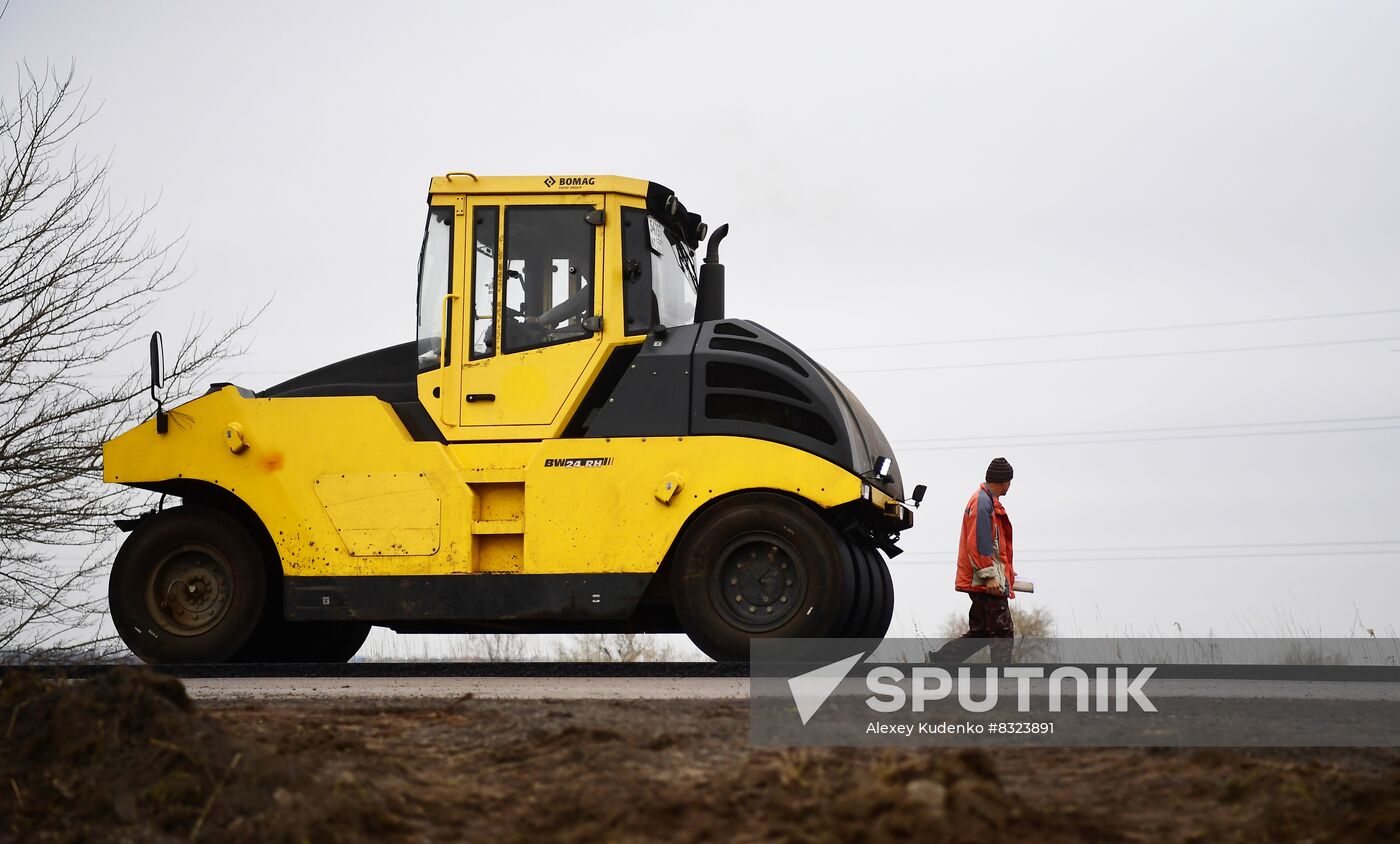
x: 975, y: 547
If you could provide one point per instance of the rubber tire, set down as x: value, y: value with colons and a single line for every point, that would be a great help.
x: 864, y: 596
x: 882, y: 605
x: 322, y: 641
x: 141, y: 551
x: 277, y: 640
x: 268, y: 635
x: 282, y: 641
x: 828, y: 567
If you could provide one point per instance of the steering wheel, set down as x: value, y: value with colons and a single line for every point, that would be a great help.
x: 536, y: 330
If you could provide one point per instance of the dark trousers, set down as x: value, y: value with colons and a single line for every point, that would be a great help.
x: 989, y: 618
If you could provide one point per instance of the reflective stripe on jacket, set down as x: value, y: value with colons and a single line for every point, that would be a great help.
x: 983, y: 515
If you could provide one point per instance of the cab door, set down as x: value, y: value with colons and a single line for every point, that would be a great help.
x: 534, y: 315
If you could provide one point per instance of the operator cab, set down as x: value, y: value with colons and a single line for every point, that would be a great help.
x: 526, y: 285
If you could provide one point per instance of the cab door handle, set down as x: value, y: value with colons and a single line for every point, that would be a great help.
x: 445, y: 354
x: 472, y: 398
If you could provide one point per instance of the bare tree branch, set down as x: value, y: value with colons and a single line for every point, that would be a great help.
x: 78, y: 275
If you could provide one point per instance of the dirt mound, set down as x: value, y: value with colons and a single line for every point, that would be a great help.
x: 1312, y: 799
x: 671, y: 786
x: 126, y: 756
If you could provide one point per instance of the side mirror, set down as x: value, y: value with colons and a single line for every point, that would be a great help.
x: 158, y: 380
x: 918, y: 497
x: 157, y: 362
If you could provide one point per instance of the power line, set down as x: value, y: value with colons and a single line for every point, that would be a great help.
x: 1192, y: 558
x: 1105, y: 331
x: 997, y: 444
x: 1225, y: 556
x: 1344, y: 543
x: 1203, y: 547
x: 1180, y: 353
x: 984, y: 437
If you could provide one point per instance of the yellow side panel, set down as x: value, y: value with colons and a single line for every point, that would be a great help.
x: 386, y: 514
x: 591, y: 504
x: 293, y: 442
x: 420, y: 508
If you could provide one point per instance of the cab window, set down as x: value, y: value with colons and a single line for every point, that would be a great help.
x: 434, y: 277
x: 486, y: 226
x: 548, y: 268
x: 658, y: 272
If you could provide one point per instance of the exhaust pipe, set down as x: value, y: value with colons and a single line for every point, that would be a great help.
x: 709, y: 295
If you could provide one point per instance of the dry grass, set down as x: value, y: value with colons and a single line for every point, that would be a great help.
x: 385, y: 646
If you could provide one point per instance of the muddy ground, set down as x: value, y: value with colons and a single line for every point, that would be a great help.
x: 128, y: 757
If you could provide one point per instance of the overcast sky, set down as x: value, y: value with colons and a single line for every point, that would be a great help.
x: 939, y: 176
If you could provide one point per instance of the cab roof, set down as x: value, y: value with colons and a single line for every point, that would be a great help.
x: 468, y: 183
x: 661, y: 202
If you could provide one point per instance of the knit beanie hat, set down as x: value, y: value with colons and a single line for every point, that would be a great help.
x: 999, y: 472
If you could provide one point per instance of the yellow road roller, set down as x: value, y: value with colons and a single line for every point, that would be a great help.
x: 578, y: 440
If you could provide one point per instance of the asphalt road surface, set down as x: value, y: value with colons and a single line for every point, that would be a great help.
x: 231, y: 689
x: 698, y: 688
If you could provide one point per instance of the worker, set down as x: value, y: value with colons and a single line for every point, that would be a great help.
x: 985, y: 571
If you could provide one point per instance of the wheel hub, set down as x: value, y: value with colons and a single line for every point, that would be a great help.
x: 760, y: 582
x: 189, y: 591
